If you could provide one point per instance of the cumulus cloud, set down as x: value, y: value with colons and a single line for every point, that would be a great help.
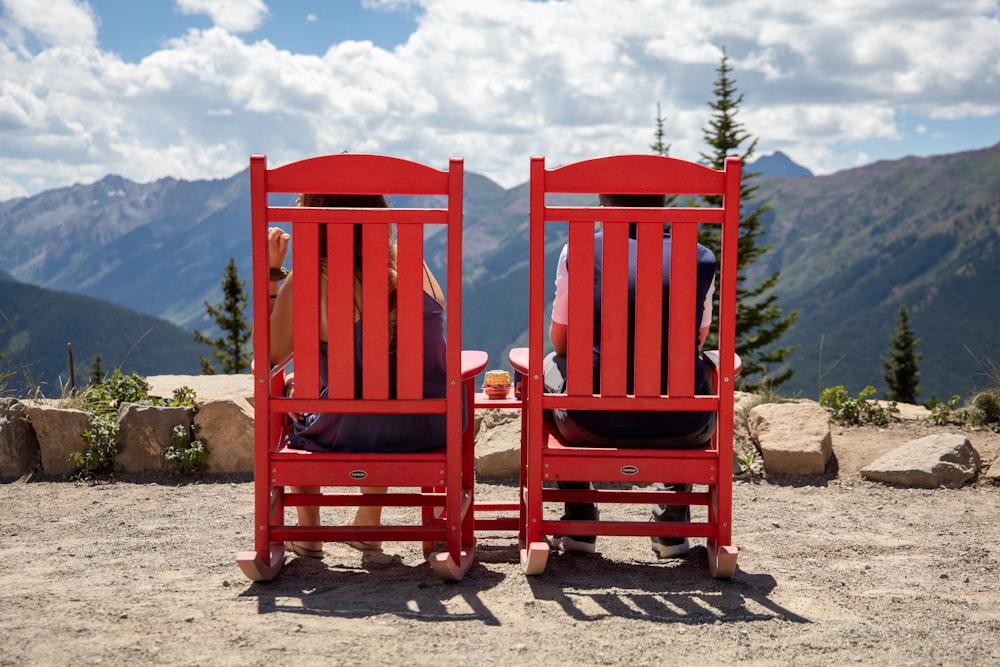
x: 232, y: 15
x: 62, y: 23
x: 494, y: 82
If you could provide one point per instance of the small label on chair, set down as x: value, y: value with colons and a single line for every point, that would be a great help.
x: 358, y: 474
x: 629, y: 470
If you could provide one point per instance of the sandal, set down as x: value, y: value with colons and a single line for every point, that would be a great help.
x: 364, y: 546
x: 361, y: 545
x: 305, y: 552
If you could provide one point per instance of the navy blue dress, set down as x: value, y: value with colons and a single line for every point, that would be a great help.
x: 321, y: 432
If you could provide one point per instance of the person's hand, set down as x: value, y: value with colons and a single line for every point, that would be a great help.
x: 277, y: 246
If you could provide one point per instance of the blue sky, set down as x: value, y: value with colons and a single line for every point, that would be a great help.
x: 190, y: 88
x: 134, y: 29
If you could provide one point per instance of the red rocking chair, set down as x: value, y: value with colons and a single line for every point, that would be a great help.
x: 436, y: 484
x: 548, y: 459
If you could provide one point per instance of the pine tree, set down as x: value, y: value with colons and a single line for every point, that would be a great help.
x: 232, y: 350
x: 96, y: 370
x: 658, y: 146
x: 759, y: 320
x: 901, y: 372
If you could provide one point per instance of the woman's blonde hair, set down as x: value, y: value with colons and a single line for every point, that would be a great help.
x: 356, y: 201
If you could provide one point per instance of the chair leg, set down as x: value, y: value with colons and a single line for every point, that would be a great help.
x: 534, y: 557
x: 256, y: 568
x: 445, y: 566
x: 722, y: 560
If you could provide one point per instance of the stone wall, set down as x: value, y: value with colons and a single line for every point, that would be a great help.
x: 39, y: 436
x: 789, y: 438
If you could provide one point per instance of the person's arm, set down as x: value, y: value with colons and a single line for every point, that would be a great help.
x: 280, y: 297
x: 560, y: 305
x: 557, y: 334
x: 706, y: 316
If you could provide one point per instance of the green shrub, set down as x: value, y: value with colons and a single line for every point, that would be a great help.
x: 103, y: 400
x: 186, y: 455
x: 941, y: 413
x: 750, y: 464
x: 102, y: 447
x: 985, y: 410
x: 183, y: 397
x: 858, y: 410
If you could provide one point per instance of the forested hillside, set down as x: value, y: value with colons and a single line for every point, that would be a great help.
x: 37, y: 324
x: 851, y: 247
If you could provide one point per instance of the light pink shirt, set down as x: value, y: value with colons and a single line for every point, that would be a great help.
x: 560, y: 306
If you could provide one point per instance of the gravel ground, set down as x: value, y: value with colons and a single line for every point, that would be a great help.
x: 832, y: 570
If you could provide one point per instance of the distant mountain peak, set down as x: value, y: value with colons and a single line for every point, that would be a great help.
x: 778, y: 165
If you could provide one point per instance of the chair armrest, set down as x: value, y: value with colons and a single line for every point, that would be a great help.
x: 518, y: 358
x: 473, y: 363
x: 712, y: 359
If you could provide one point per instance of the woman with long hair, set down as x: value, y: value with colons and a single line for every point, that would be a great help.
x: 357, y: 432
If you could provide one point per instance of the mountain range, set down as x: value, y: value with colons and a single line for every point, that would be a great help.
x: 851, y: 247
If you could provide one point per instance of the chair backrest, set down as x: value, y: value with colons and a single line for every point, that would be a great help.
x: 358, y: 174
x: 633, y: 174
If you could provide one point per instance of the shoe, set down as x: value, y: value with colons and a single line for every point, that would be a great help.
x: 361, y: 545
x: 305, y: 552
x: 671, y: 547
x: 364, y: 546
x: 578, y: 544
x: 581, y: 544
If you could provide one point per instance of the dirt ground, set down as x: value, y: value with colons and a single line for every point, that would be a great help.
x: 832, y: 570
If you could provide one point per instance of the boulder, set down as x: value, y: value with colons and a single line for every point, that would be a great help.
x: 942, y: 459
x: 498, y: 444
x: 18, y: 445
x: 993, y: 471
x: 145, y: 433
x: 794, y: 438
x: 226, y: 428
x: 205, y: 387
x: 59, y: 434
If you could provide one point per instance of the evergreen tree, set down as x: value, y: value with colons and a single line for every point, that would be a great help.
x: 658, y: 146
x: 901, y: 372
x: 232, y: 349
x: 759, y: 320
x: 96, y: 370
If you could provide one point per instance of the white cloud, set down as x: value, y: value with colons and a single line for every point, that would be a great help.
x: 233, y: 15
x: 62, y: 23
x: 494, y: 82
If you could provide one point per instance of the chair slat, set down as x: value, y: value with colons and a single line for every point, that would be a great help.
x: 614, y: 310
x: 683, y: 304
x: 648, y: 308
x: 409, y: 333
x: 305, y: 309
x: 580, y: 341
x: 375, y: 311
x: 340, y: 310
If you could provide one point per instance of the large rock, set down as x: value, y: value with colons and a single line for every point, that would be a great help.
x: 205, y: 387
x: 993, y: 471
x: 942, y: 459
x: 226, y: 428
x: 498, y: 444
x: 145, y: 433
x: 59, y: 434
x: 794, y: 438
x: 18, y: 445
